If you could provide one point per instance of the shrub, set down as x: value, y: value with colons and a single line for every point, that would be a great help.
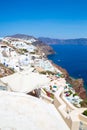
x: 85, y: 113
x: 70, y: 92
x: 42, y: 72
x: 22, y: 51
x: 32, y: 52
x: 75, y: 94
x: 50, y: 72
x: 47, y: 72
x: 84, y: 103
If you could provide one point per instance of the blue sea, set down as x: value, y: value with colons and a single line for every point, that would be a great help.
x: 73, y: 58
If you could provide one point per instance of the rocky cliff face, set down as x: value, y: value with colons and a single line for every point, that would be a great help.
x: 77, y: 84
x: 80, y: 41
x: 43, y: 48
x: 65, y: 73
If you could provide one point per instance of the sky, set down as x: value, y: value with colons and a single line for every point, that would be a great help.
x: 48, y: 18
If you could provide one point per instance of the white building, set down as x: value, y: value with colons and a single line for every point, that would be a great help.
x: 19, y: 111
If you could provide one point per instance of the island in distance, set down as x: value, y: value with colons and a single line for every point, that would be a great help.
x: 79, y: 41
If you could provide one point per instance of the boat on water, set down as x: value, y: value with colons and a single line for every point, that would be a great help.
x: 59, y: 60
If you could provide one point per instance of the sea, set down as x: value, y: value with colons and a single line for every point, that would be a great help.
x: 73, y: 58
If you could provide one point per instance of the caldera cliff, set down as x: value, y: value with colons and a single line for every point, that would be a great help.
x: 77, y: 84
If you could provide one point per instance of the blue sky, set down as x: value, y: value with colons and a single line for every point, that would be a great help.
x: 48, y: 18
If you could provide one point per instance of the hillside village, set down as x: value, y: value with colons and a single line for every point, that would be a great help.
x: 28, y: 78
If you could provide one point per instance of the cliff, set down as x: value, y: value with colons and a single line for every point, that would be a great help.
x: 77, y: 84
x: 79, y: 41
x: 43, y: 48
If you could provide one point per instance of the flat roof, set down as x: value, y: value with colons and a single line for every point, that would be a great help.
x: 19, y: 111
x: 25, y: 81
